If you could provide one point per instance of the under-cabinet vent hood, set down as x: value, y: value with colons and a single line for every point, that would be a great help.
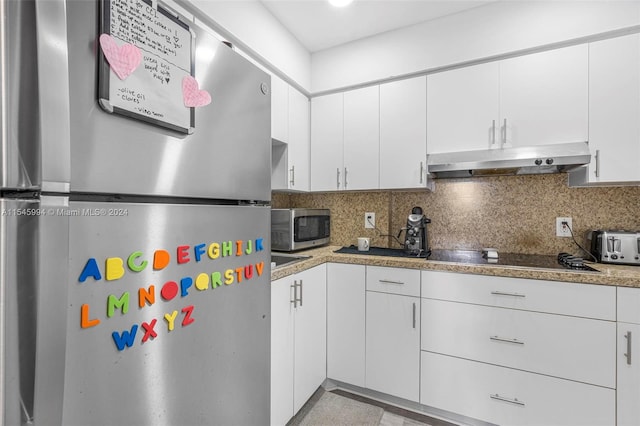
x: 510, y: 161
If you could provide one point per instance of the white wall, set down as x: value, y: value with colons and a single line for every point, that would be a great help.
x: 251, y: 23
x: 494, y: 29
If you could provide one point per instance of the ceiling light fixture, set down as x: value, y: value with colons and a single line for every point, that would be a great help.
x: 340, y: 3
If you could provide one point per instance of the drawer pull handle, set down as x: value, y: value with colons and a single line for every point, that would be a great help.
x: 391, y: 282
x: 504, y: 293
x: 502, y: 398
x: 502, y: 339
x: 628, y: 354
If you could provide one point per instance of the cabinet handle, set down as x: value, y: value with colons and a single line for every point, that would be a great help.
x: 509, y: 400
x: 345, y: 177
x: 493, y: 132
x: 338, y: 178
x: 503, y: 339
x: 504, y: 293
x: 294, y: 286
x: 628, y: 354
x: 300, y: 300
x: 597, y: 172
x: 390, y: 282
x: 421, y: 172
x: 414, y: 314
x: 292, y: 178
x: 504, y: 134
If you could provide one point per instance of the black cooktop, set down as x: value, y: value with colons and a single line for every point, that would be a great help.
x: 476, y: 258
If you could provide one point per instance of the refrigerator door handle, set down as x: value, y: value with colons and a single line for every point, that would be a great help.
x: 55, y: 128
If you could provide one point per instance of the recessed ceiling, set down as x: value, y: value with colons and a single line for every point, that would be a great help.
x: 318, y: 25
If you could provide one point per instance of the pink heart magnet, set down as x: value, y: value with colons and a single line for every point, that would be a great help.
x: 192, y: 95
x: 123, y: 59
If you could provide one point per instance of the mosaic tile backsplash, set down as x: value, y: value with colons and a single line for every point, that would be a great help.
x: 514, y: 214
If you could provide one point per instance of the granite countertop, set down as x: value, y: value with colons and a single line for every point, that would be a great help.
x: 627, y: 276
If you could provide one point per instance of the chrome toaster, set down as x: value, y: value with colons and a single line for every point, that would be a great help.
x: 622, y: 247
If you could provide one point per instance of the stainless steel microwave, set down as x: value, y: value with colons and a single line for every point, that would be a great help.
x: 297, y: 229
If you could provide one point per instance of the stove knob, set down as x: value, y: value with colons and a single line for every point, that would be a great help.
x: 549, y: 161
x: 614, y: 257
x: 538, y: 161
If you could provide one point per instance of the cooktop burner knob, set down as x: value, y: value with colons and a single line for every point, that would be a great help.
x: 549, y: 161
x: 538, y: 161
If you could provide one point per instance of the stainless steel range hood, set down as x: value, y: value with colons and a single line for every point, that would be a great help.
x: 510, y: 161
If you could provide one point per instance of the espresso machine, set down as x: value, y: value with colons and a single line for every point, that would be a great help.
x: 416, y: 242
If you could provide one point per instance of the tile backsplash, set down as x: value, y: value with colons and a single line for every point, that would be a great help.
x: 511, y: 213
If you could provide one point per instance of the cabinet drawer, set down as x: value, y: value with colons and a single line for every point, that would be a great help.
x: 629, y: 305
x: 393, y: 280
x: 560, y: 346
x: 510, y: 397
x: 582, y: 300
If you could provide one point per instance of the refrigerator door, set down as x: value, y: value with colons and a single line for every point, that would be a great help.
x: 18, y: 257
x: 167, y: 315
x: 19, y: 128
x: 227, y: 156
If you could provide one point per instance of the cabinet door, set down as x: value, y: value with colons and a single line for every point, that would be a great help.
x: 279, y: 109
x: 346, y: 323
x: 361, y: 138
x: 628, y: 374
x: 462, y: 109
x: 393, y: 345
x: 299, y: 134
x: 403, y: 134
x: 310, y: 341
x: 614, y: 109
x: 326, y: 142
x: 282, y: 317
x: 544, y: 97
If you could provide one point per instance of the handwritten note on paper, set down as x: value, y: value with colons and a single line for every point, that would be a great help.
x: 153, y: 92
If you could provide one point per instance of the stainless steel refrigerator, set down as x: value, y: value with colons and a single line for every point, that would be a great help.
x: 134, y: 253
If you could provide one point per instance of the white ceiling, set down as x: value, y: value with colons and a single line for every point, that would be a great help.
x: 318, y: 25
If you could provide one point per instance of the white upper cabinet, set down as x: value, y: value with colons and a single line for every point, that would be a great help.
x: 534, y: 99
x: 345, y: 140
x: 361, y: 138
x: 326, y: 142
x: 544, y: 97
x: 299, y: 143
x: 403, y: 134
x: 462, y: 109
x: 279, y: 109
x: 614, y: 109
x: 290, y: 132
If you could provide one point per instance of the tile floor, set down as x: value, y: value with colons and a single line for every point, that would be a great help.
x: 392, y: 416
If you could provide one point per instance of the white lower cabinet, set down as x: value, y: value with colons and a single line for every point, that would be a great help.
x: 346, y: 323
x: 518, y: 352
x: 298, y: 341
x: 393, y: 332
x: 628, y: 356
x: 555, y: 345
x: 507, y: 396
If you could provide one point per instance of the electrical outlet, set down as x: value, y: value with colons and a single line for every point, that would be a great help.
x: 370, y: 220
x: 561, y: 229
